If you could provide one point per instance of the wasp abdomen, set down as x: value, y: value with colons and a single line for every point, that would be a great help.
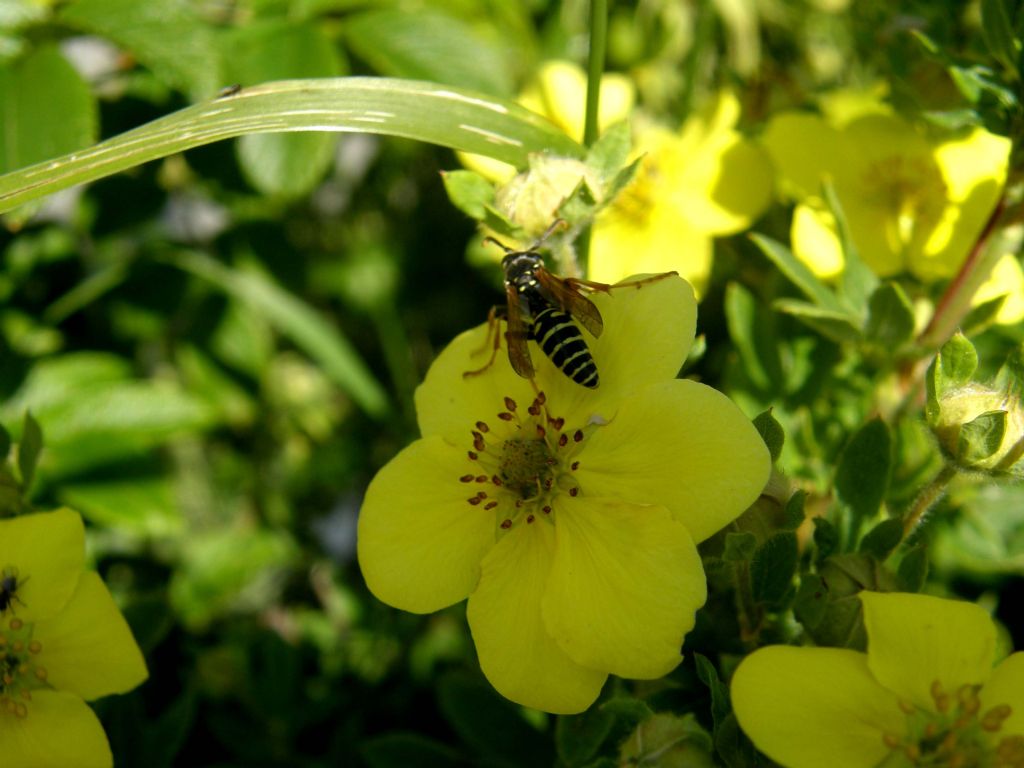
x: 563, y: 343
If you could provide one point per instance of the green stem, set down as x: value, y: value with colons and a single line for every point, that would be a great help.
x: 927, y: 499
x: 595, y: 67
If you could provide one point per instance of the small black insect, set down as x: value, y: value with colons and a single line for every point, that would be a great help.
x: 229, y: 90
x: 9, y: 586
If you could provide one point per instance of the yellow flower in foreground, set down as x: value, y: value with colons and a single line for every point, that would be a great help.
x: 925, y: 693
x: 569, y: 517
x: 62, y: 641
x: 912, y: 203
x: 693, y: 185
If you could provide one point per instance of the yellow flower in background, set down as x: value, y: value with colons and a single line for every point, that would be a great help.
x: 568, y: 516
x: 559, y: 93
x: 62, y: 642
x: 693, y: 185
x: 1007, y: 279
x: 912, y: 203
x: 925, y: 693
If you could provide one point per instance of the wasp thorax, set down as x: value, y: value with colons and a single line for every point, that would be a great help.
x: 525, y: 466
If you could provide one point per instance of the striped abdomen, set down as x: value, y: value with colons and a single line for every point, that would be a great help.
x: 563, y: 343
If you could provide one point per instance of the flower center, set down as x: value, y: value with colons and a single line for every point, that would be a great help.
x: 911, y: 190
x: 20, y: 672
x: 523, y: 462
x: 956, y: 734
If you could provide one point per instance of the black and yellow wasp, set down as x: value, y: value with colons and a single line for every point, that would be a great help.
x: 540, y: 306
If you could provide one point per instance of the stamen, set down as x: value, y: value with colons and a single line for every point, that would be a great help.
x: 563, y: 440
x: 472, y: 456
x: 992, y: 720
x: 510, y: 404
x: 481, y: 478
x: 506, y: 524
x: 505, y: 416
x: 482, y: 426
x: 574, y: 491
x: 557, y: 423
x: 529, y: 518
x: 466, y: 479
x: 578, y: 435
x: 490, y: 505
x: 574, y: 466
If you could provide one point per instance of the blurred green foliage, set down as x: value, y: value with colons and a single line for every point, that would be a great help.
x: 218, y: 349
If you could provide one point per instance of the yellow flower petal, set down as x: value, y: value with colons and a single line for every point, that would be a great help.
x: 449, y: 403
x: 814, y: 707
x: 518, y: 656
x: 682, y: 445
x: 648, y: 330
x: 627, y: 241
x: 1007, y: 279
x: 60, y: 731
x: 624, y: 586
x: 419, y: 541
x: 815, y: 242
x: 46, y: 553
x: 845, y: 105
x: 915, y: 640
x: 87, y: 648
x: 1006, y: 686
x: 801, y: 146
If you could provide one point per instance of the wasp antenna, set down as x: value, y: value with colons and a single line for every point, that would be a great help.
x: 556, y: 224
x: 498, y: 243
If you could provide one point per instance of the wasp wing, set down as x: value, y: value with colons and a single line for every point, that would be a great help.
x: 567, y: 295
x: 517, y: 335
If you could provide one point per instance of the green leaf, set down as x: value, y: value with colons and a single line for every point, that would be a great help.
x: 890, y: 322
x: 297, y: 320
x: 490, y: 724
x: 857, y: 281
x: 771, y: 432
x: 610, y: 153
x: 468, y: 191
x: 422, y: 43
x: 630, y: 711
x: 773, y: 567
x: 739, y: 546
x: 708, y: 674
x: 752, y: 330
x: 797, y: 272
x: 997, y: 31
x: 144, y: 506
x: 837, y: 325
x: 668, y: 739
x: 46, y: 109
x: 913, y: 569
x: 1010, y: 379
x: 881, y: 540
x: 794, y: 512
x: 959, y: 361
x: 283, y: 164
x: 397, y: 749
x: 981, y: 437
x: 429, y: 112
x: 166, y: 35
x: 579, y: 737
x: 5, y: 444
x: 29, y: 448
x: 826, y: 537
x: 830, y: 620
x: 862, y: 475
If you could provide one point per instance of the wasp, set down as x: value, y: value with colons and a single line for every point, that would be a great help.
x: 541, y: 307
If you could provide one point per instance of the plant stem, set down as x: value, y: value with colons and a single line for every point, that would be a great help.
x: 956, y: 301
x: 927, y: 498
x: 595, y: 67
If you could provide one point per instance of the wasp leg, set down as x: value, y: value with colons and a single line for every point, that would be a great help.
x: 645, y: 280
x: 493, y: 331
x: 576, y: 283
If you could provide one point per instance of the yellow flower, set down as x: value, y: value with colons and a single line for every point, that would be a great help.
x: 62, y: 642
x: 912, y: 203
x: 559, y: 93
x: 568, y: 516
x: 925, y: 693
x: 693, y: 185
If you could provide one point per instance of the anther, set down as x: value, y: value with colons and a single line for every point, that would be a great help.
x: 466, y: 479
x: 541, y: 398
x: 529, y: 518
x: 506, y: 524
x: 992, y: 720
x: 557, y: 423
x: 546, y: 510
x: 891, y: 740
x: 472, y: 456
x: 563, y: 440
x: 574, y: 491
x: 16, y: 624
x: 574, y: 466
x: 482, y: 426
x: 478, y: 441
x: 490, y: 505
x: 534, y: 409
x: 505, y: 416
x: 481, y: 478
x: 578, y: 435
x: 907, y: 707
x: 541, y: 432
x: 496, y: 480
x: 510, y: 404
x: 474, y: 500
x: 40, y: 673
